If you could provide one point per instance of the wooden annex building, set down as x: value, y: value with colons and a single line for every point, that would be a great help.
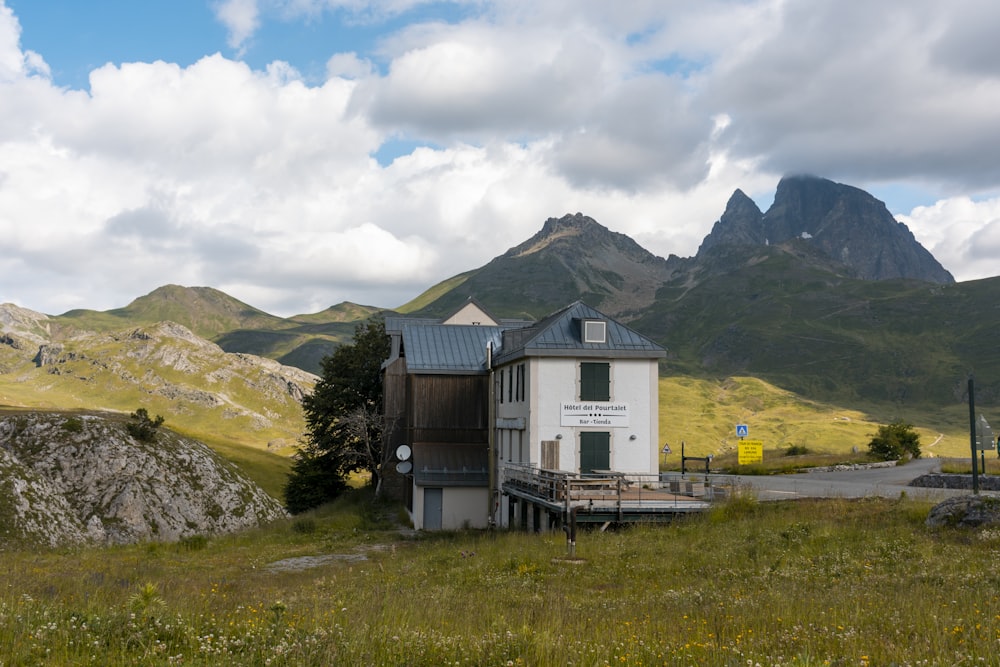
x: 495, y: 422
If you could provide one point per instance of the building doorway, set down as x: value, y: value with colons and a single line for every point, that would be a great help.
x: 433, y: 508
x: 595, y: 452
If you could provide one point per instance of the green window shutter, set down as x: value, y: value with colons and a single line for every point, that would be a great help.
x: 595, y: 381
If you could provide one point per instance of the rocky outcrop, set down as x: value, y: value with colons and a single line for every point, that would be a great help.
x: 25, y: 324
x: 741, y: 224
x: 965, y: 512
x: 70, y: 479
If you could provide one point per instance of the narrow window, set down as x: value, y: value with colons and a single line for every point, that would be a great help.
x: 501, y: 386
x: 595, y: 381
x: 510, y: 384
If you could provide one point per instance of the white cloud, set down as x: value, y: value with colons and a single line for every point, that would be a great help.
x: 14, y: 63
x: 348, y: 66
x: 241, y: 18
x: 864, y: 92
x: 474, y: 81
x: 963, y: 234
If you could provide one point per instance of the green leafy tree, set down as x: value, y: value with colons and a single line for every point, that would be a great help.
x: 894, y: 441
x: 343, y: 421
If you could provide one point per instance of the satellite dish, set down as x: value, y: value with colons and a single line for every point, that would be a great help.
x: 403, y: 452
x: 404, y: 467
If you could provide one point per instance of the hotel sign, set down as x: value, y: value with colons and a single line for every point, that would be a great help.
x: 594, y: 414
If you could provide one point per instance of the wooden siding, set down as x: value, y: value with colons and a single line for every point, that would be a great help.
x: 448, y: 408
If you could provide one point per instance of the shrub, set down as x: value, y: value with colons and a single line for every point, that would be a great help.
x: 797, y: 450
x: 73, y: 425
x: 894, y: 441
x: 142, y: 427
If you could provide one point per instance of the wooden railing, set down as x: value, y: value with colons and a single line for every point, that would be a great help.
x: 607, y: 488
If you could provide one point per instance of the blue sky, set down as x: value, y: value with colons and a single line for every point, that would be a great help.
x: 77, y: 37
x: 298, y: 153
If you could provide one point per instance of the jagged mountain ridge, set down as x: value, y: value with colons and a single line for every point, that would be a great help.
x: 845, y: 223
x: 842, y: 228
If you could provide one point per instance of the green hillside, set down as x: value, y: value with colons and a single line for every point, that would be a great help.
x: 301, y: 341
x: 204, y: 310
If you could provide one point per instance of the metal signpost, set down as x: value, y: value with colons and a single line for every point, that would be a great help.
x: 685, y: 459
x: 972, y: 434
x: 984, y: 440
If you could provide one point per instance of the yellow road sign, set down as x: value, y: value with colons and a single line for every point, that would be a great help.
x: 750, y: 451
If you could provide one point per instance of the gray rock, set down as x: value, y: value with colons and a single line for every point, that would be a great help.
x: 83, y: 479
x: 970, y: 511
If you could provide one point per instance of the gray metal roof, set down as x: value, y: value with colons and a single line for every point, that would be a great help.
x: 432, y: 347
x: 447, y: 348
x: 559, y: 335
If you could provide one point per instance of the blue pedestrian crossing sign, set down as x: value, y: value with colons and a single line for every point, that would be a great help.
x: 742, y: 431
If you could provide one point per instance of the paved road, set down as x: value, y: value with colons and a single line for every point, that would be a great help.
x: 885, y: 482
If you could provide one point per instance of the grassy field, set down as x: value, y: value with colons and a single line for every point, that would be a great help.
x: 704, y: 414
x: 831, y: 582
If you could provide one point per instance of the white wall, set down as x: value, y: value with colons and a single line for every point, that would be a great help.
x: 553, y: 381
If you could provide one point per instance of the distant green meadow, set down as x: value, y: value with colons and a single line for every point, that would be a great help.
x: 831, y: 582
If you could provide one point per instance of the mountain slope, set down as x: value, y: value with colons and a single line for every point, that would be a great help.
x: 204, y: 310
x: 164, y: 367
x: 573, y: 257
x: 301, y: 341
x: 826, y: 336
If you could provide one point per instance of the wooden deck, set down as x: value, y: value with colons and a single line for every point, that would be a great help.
x: 609, y: 495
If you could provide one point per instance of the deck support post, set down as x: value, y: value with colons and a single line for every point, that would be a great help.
x: 570, y: 529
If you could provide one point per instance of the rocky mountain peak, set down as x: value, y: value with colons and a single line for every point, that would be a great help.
x: 556, y: 230
x: 844, y: 223
x: 740, y: 224
x: 578, y: 234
